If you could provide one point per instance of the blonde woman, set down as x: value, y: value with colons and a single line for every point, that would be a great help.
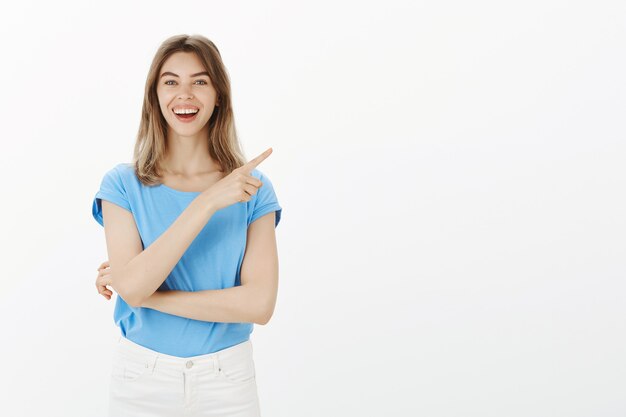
x: 190, y: 236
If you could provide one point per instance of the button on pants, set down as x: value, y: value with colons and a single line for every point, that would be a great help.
x: 146, y: 383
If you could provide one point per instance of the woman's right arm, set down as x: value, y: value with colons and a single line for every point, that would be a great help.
x: 137, y: 273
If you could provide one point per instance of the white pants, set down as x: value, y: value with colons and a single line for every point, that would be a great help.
x: 148, y: 383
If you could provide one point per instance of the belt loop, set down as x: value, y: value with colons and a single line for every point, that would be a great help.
x: 152, y: 363
x: 216, y: 364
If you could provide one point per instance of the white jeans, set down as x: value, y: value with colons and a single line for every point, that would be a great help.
x: 148, y: 383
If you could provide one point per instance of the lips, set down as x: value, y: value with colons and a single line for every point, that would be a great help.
x: 186, y: 118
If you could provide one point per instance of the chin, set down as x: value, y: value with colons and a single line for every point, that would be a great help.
x: 188, y: 131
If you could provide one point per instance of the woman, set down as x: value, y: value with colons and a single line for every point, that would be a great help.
x: 189, y: 229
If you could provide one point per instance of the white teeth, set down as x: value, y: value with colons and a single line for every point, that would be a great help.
x: 186, y: 111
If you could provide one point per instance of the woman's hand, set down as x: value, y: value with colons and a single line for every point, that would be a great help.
x: 238, y: 186
x: 104, y: 279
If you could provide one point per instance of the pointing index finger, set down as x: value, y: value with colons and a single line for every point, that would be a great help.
x: 250, y: 165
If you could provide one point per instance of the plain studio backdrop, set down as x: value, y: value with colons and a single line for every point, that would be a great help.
x: 452, y: 180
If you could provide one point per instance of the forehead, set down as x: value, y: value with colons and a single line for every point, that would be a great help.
x: 182, y: 63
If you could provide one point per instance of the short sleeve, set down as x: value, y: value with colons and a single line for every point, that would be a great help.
x: 265, y: 201
x: 111, y: 189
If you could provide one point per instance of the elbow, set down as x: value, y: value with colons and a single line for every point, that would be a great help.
x: 134, y: 302
x: 263, y: 320
x: 260, y: 305
x: 265, y: 315
x: 137, y: 298
x: 132, y: 298
x: 118, y: 283
x: 132, y: 295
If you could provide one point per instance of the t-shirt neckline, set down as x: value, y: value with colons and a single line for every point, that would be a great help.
x: 179, y: 192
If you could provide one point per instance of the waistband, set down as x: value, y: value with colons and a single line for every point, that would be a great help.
x: 132, y: 351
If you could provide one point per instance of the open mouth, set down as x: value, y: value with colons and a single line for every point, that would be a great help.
x: 186, y: 115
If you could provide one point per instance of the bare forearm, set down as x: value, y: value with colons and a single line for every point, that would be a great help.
x: 237, y: 304
x: 146, y: 272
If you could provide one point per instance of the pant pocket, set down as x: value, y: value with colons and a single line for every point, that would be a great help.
x: 238, y: 370
x: 128, y: 369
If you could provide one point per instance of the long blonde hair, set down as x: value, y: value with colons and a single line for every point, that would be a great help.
x: 224, y: 146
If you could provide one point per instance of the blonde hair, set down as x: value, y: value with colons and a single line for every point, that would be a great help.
x: 150, y: 146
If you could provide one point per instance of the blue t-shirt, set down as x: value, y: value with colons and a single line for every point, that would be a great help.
x: 212, y: 261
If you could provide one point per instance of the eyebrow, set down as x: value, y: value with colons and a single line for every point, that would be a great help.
x: 193, y: 75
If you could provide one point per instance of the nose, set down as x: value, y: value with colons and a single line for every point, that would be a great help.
x: 185, y: 92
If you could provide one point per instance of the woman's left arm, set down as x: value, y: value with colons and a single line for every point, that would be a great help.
x: 251, y: 302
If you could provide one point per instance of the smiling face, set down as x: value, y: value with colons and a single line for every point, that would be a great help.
x: 184, y: 87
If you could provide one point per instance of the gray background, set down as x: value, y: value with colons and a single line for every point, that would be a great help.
x: 452, y: 178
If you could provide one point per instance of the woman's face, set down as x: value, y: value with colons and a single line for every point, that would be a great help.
x: 183, y: 84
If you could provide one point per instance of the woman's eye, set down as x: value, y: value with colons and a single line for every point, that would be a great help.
x: 172, y: 81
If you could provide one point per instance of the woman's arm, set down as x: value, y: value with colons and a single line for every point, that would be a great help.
x: 137, y: 273
x: 230, y: 305
x: 251, y: 302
